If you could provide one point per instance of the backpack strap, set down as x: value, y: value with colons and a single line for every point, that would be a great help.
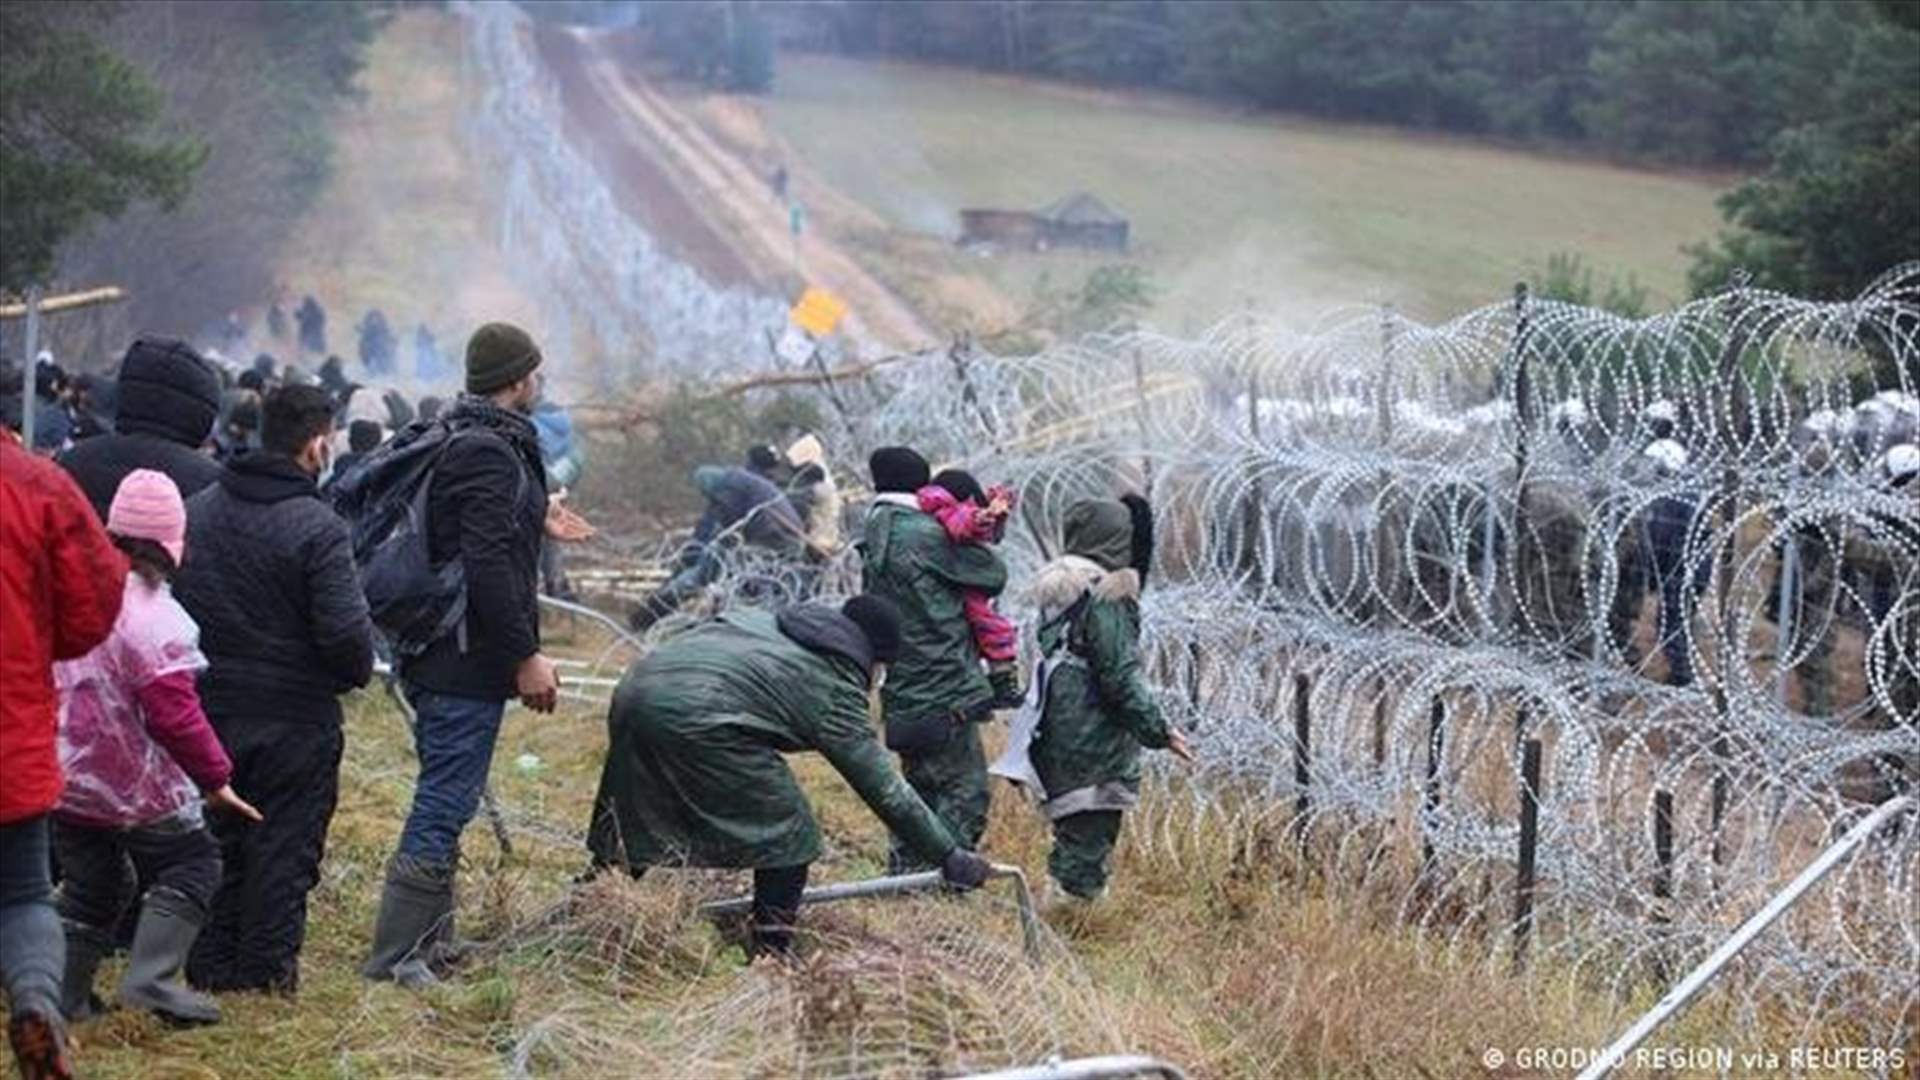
x: 1071, y: 615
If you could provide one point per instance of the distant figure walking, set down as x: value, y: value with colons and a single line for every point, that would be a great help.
x: 313, y: 325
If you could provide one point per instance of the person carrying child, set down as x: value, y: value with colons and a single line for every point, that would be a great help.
x: 138, y: 755
x: 971, y: 515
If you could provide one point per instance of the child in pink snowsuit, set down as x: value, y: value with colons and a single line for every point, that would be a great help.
x: 973, y: 516
x: 140, y: 758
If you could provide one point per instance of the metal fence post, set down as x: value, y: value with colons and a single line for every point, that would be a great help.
x: 1529, y: 839
x: 1663, y: 868
x: 1430, y: 805
x: 1302, y: 766
x: 28, y: 382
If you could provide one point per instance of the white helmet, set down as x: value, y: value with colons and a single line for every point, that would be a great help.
x: 1670, y: 456
x: 1572, y: 411
x: 1663, y: 410
x: 1898, y: 401
x: 1901, y: 462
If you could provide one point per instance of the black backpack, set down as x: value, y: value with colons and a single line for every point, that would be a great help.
x: 384, y: 500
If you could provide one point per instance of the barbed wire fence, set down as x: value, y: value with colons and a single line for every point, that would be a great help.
x: 1436, y: 597
x: 1447, y: 613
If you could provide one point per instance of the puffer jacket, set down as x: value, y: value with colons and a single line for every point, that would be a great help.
x: 168, y: 399
x: 1098, y: 711
x: 907, y: 559
x: 61, y: 583
x: 487, y: 506
x: 269, y: 578
x: 693, y: 772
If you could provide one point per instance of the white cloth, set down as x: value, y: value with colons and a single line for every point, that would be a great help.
x: 1015, y: 763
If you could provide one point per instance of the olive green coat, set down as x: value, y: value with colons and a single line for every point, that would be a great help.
x: 694, y: 774
x: 907, y: 558
x: 1099, y: 713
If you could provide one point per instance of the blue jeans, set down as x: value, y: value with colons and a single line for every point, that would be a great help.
x: 33, y: 948
x: 454, y: 738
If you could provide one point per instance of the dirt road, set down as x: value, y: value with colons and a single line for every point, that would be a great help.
x: 705, y: 202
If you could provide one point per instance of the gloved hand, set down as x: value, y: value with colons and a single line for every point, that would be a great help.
x: 965, y: 870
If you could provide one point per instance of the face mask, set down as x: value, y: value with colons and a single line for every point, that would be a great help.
x: 326, y: 465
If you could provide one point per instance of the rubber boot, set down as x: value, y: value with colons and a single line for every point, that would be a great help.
x: 38, y: 1038
x: 414, y: 906
x: 776, y: 909
x: 447, y: 950
x: 169, y: 922
x: 86, y: 947
x: 1005, y: 680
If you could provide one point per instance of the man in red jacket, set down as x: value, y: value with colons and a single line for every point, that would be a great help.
x: 61, y: 581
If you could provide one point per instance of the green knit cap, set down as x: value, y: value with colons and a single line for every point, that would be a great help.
x: 1101, y: 530
x: 499, y: 355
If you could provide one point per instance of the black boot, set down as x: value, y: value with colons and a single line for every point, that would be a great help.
x: 1005, y: 680
x: 776, y: 908
x: 86, y: 947
x: 169, y: 921
x: 415, y: 907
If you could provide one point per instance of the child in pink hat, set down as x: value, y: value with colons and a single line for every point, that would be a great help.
x: 138, y: 755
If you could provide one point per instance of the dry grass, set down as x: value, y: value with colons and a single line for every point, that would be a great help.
x: 1215, y: 949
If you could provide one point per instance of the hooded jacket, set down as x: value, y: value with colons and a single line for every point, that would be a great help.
x: 1098, y: 711
x: 906, y: 558
x: 269, y: 578
x: 693, y: 774
x: 61, y: 584
x: 168, y: 399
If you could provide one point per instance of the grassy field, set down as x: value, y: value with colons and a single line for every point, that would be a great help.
x: 1214, y: 950
x: 1228, y: 210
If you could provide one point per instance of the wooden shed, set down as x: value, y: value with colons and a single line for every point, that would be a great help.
x: 1015, y: 229
x: 1077, y: 221
x: 1082, y: 221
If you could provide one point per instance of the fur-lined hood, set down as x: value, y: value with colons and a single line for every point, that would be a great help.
x: 1059, y: 583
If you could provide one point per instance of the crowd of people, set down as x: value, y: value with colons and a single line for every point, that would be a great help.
x: 189, y: 590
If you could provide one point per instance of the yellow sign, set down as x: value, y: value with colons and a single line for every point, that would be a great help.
x: 818, y: 312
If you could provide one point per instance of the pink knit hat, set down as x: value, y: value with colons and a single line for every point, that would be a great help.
x: 147, y: 507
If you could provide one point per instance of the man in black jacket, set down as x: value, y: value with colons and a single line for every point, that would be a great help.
x: 284, y: 626
x: 487, y: 507
x: 169, y: 398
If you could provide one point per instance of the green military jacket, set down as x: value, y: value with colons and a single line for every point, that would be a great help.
x: 693, y: 773
x: 907, y: 558
x: 1098, y: 711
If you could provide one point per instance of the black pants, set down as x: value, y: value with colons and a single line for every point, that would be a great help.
x: 99, y: 867
x: 291, y: 773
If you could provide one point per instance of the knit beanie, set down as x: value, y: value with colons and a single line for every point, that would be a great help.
x: 898, y: 469
x: 499, y: 355
x: 960, y: 484
x: 147, y: 506
x: 879, y: 620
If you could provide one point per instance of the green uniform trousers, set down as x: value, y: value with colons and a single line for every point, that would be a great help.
x: 952, y: 781
x: 1082, y: 845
